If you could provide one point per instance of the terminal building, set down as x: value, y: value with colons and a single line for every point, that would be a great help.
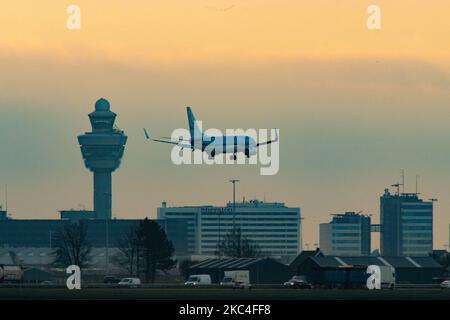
x: 41, y: 233
x: 347, y: 234
x: 275, y: 227
x: 406, y: 225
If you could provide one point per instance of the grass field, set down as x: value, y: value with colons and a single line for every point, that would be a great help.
x: 220, y: 294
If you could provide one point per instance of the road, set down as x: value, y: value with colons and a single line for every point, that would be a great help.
x: 221, y: 294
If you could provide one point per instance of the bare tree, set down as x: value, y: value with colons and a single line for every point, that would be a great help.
x: 127, y: 257
x: 236, y: 245
x: 72, y: 246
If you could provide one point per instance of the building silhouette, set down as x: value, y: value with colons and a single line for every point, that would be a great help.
x: 102, y: 150
x: 275, y: 227
x: 406, y: 225
x: 347, y: 234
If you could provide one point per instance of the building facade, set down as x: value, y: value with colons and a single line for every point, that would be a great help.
x: 275, y: 227
x: 41, y: 233
x: 347, y: 234
x: 406, y: 225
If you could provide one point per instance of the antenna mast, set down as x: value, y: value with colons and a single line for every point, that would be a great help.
x: 403, y: 181
x: 417, y: 184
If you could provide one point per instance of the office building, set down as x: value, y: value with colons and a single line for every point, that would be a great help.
x: 406, y: 225
x: 275, y: 227
x: 347, y: 234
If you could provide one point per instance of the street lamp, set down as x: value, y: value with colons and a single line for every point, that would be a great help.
x: 107, y: 234
x: 233, y: 181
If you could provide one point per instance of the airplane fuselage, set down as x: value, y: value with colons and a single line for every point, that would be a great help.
x: 214, y: 145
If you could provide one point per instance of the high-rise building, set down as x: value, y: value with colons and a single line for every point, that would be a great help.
x: 406, y: 225
x: 347, y: 234
x: 102, y: 150
x: 273, y: 226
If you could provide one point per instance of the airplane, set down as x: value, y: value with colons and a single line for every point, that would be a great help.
x: 215, y: 144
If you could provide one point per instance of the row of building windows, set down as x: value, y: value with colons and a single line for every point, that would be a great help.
x: 346, y: 241
x: 291, y: 236
x: 274, y: 214
x: 427, y: 220
x: 259, y: 241
x: 253, y: 219
x: 346, y: 234
x: 340, y: 227
x: 417, y: 235
x: 181, y: 214
x: 347, y: 248
x: 405, y: 242
x: 266, y: 252
x: 417, y: 228
x: 417, y: 214
x: 407, y: 205
x: 262, y: 247
x: 255, y: 230
x: 251, y: 224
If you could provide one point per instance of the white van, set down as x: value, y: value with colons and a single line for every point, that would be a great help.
x: 236, y: 279
x: 198, y: 280
x: 130, y: 282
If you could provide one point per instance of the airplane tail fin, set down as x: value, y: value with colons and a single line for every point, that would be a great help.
x: 194, y: 130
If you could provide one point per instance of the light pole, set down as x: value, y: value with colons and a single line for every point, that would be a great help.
x: 107, y: 234
x: 233, y: 181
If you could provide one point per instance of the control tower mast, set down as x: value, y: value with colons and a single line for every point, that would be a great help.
x: 102, y: 150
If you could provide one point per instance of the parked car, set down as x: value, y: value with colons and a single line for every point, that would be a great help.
x: 130, y: 282
x: 111, y: 279
x: 445, y: 284
x: 198, y: 280
x: 297, y: 282
x: 47, y: 283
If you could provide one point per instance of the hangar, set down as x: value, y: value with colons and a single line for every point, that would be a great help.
x: 333, y: 271
x: 262, y: 270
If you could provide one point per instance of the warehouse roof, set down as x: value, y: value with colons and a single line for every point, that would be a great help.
x: 227, y: 263
x: 396, y: 262
x: 302, y: 256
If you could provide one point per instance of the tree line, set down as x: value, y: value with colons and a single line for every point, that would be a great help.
x: 143, y: 250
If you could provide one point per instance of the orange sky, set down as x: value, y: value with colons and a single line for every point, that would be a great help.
x: 148, y: 32
x: 327, y: 76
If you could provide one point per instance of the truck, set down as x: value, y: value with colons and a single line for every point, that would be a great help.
x: 236, y: 279
x: 387, y: 277
x: 10, y: 273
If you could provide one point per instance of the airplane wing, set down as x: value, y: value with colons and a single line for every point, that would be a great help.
x: 181, y: 145
x: 270, y: 141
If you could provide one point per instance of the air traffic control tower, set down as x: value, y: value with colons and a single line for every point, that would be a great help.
x: 102, y: 149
